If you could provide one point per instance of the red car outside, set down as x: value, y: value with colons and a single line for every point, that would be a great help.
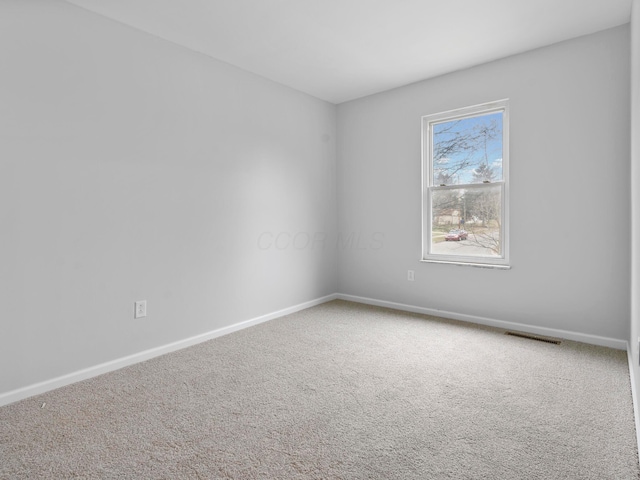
x: 456, y: 235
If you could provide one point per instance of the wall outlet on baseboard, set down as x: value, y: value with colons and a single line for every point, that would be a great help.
x: 140, y: 309
x: 410, y: 275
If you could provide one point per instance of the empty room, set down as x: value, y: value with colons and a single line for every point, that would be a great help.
x: 264, y: 239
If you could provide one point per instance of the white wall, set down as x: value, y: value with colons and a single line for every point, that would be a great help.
x: 131, y: 168
x: 635, y: 186
x: 570, y: 192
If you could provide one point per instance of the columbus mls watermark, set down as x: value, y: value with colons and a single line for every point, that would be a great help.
x: 292, y: 241
x: 303, y: 240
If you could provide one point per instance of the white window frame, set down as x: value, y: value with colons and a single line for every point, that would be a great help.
x: 428, y: 187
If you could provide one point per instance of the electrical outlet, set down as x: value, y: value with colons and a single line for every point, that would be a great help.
x: 140, y: 309
x: 410, y: 275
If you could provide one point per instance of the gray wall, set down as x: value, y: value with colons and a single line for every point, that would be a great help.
x: 635, y: 186
x: 130, y: 169
x: 570, y: 190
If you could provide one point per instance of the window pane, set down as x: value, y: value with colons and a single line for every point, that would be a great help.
x: 467, y: 221
x: 467, y: 150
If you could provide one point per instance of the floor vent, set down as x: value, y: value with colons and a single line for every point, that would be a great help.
x: 533, y: 337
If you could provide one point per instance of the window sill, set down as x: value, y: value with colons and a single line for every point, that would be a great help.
x: 469, y: 264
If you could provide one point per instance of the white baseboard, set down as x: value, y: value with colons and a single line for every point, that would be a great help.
x: 634, y: 393
x: 544, y: 331
x: 47, y: 385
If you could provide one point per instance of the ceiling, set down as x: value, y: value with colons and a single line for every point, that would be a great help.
x: 339, y: 50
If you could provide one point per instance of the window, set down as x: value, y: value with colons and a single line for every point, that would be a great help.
x: 465, y: 164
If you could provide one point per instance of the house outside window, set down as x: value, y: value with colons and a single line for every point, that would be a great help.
x: 465, y: 163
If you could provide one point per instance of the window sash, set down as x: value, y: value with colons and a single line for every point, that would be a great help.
x: 501, y: 261
x: 428, y: 236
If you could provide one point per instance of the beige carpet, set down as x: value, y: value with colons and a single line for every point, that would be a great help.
x: 339, y: 391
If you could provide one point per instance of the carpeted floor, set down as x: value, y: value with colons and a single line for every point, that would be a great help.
x: 339, y: 391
